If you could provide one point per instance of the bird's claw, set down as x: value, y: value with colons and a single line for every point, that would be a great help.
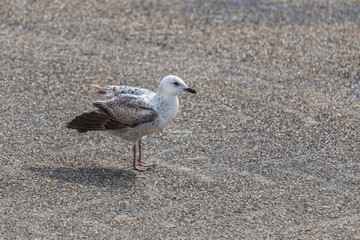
x: 141, y: 168
x: 146, y: 164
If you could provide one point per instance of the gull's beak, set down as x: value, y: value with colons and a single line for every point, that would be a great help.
x: 190, y: 90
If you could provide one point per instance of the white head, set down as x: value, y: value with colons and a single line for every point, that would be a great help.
x: 173, y: 85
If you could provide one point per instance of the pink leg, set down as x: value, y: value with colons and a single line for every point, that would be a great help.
x: 142, y: 163
x: 137, y: 167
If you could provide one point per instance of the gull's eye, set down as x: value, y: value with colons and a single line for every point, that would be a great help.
x: 176, y: 84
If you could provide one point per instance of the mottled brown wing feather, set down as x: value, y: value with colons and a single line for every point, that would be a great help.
x: 127, y: 109
x: 94, y: 121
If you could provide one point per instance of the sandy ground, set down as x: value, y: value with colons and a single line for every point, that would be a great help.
x: 268, y: 149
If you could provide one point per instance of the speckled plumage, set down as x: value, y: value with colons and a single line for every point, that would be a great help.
x: 132, y: 113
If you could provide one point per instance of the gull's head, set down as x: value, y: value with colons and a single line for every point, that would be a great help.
x: 173, y: 85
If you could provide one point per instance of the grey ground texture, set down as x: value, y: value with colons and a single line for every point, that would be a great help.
x: 269, y: 148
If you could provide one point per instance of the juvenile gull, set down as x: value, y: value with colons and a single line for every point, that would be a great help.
x: 132, y: 113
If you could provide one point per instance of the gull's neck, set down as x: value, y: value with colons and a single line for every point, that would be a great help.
x: 169, y: 106
x: 167, y: 98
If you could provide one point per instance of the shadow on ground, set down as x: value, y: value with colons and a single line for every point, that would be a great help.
x: 88, y: 176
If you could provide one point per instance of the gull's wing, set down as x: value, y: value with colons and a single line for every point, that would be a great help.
x: 127, y: 109
x: 95, y: 121
x: 114, y: 90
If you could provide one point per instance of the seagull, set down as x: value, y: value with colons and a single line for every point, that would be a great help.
x: 131, y: 113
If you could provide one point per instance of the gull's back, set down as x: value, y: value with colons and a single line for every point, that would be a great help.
x: 114, y: 91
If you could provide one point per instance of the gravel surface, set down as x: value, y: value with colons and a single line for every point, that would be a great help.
x: 268, y: 149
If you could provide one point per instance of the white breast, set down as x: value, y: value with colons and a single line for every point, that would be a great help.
x: 167, y: 108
